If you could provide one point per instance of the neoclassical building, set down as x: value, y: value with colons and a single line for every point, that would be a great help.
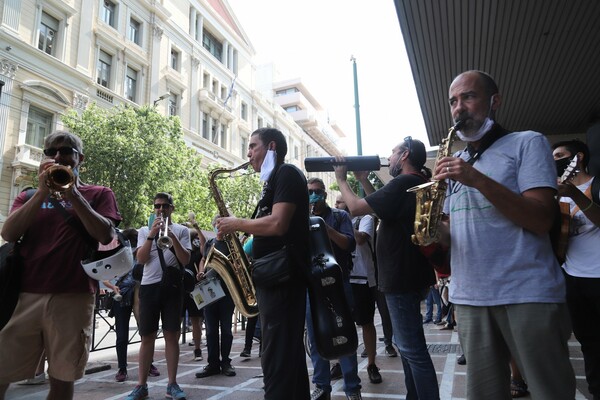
x: 188, y: 58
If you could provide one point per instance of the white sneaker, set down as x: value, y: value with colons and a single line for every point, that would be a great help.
x: 38, y: 380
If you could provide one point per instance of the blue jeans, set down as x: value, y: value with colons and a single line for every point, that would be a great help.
x: 348, y: 364
x: 419, y: 373
x: 122, y: 315
x: 433, y: 297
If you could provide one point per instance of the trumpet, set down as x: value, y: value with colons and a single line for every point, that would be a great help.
x: 164, y: 242
x: 59, y: 178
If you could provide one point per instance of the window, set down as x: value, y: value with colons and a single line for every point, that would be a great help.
x: 206, y: 80
x: 215, y: 86
x: 260, y: 122
x: 286, y: 91
x: 173, y: 105
x: 210, y: 43
x: 296, y: 152
x: 244, y: 147
x: 213, y: 130
x: 223, y: 92
x: 134, y: 31
x: 131, y: 84
x: 48, y: 34
x: 205, y: 126
x: 244, y: 111
x: 39, y: 125
x: 292, y: 108
x: 224, y: 136
x: 109, y: 13
x: 104, y: 65
x: 175, y: 55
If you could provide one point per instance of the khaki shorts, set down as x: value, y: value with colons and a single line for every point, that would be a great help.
x: 59, y: 324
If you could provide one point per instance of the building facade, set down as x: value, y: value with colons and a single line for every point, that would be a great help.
x: 188, y: 58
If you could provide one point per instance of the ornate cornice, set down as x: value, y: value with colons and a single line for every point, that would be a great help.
x: 8, y: 68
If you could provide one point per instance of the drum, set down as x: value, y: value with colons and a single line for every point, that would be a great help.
x: 207, y: 291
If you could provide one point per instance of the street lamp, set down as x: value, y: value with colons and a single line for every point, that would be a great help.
x: 161, y: 98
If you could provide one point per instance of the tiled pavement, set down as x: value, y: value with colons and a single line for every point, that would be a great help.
x: 247, y: 383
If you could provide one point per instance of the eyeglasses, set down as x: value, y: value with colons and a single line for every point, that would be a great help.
x: 64, y: 151
x: 163, y: 206
x: 408, y: 141
x: 315, y: 191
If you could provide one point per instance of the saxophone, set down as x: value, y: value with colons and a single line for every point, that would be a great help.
x: 234, y: 269
x: 430, y: 198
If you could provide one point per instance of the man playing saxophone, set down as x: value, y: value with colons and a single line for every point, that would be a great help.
x: 501, y: 205
x: 404, y: 274
x: 282, y: 220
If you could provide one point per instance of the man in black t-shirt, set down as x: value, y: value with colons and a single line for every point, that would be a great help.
x: 404, y: 273
x: 282, y: 220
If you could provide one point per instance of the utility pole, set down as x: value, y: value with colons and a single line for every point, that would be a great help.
x: 361, y: 192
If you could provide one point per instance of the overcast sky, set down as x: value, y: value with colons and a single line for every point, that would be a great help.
x: 314, y: 40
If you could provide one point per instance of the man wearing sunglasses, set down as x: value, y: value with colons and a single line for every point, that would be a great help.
x: 56, y: 305
x: 404, y: 273
x: 159, y: 300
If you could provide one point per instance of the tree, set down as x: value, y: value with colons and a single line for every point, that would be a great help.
x: 137, y: 152
x: 355, y: 186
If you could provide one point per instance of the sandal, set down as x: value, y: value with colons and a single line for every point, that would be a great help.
x: 518, y: 388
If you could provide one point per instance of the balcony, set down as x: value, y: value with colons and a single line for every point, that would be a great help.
x: 215, y: 104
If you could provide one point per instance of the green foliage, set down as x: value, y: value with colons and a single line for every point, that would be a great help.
x: 137, y: 152
x: 355, y: 186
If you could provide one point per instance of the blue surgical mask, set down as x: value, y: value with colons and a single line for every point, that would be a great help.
x: 315, y: 198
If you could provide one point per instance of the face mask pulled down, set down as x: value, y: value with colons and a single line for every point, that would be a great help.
x: 485, y: 128
x: 268, y: 165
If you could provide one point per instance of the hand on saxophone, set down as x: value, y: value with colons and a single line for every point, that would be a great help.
x: 456, y: 169
x: 225, y: 225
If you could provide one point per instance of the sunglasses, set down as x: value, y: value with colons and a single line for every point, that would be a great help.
x: 408, y: 141
x: 64, y: 151
x: 315, y: 191
x: 163, y: 206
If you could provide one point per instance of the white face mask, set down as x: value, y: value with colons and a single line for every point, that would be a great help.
x: 267, y: 166
x: 485, y: 128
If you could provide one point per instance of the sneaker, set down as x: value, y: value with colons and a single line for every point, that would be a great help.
x: 198, y: 355
x: 374, y: 375
x: 447, y: 327
x: 390, y: 351
x: 228, y: 370
x: 175, y: 392
x: 427, y: 320
x: 441, y: 322
x: 38, y: 380
x: 153, y: 371
x: 336, y: 372
x: 461, y: 360
x: 208, y: 371
x: 245, y: 353
x: 364, y: 354
x: 320, y: 394
x: 354, y: 396
x: 121, y: 376
x: 139, y: 393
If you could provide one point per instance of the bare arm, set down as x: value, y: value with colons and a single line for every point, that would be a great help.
x: 587, y: 206
x: 533, y: 209
x: 276, y: 224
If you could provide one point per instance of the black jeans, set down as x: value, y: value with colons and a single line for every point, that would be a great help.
x: 218, y: 315
x: 583, y: 300
x: 282, y: 311
x: 250, y: 330
x: 122, y: 316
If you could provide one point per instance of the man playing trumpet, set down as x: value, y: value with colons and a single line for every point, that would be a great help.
x: 160, y: 299
x: 56, y: 304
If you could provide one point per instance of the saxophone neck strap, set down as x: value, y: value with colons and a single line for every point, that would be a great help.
x: 495, y: 133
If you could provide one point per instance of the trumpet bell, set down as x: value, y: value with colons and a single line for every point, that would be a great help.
x: 164, y: 242
x: 59, y: 178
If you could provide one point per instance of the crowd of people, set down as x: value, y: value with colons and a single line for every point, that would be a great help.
x: 499, y: 205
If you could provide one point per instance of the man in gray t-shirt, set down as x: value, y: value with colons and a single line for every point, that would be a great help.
x: 507, y: 286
